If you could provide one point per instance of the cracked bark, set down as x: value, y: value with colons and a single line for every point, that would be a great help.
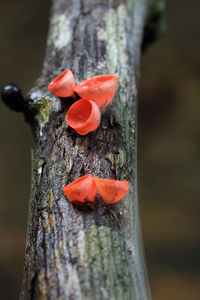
x: 70, y: 253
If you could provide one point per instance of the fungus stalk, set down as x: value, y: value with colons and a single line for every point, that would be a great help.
x: 72, y: 253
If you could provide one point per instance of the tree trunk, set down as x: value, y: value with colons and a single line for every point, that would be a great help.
x: 72, y: 253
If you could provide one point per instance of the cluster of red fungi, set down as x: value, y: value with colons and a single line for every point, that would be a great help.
x: 85, y: 189
x: 84, y: 116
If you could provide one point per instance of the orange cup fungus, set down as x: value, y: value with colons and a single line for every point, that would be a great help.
x: 111, y: 190
x: 84, y: 116
x: 82, y: 190
x: 100, y: 89
x: 63, y: 85
x: 96, y: 93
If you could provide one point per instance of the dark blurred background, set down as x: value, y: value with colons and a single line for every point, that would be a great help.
x: 169, y: 146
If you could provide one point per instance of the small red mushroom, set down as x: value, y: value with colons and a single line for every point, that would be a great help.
x: 111, y: 190
x: 100, y: 89
x: 63, y: 85
x: 83, y: 116
x: 82, y: 190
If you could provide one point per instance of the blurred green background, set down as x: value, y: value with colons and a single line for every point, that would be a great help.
x: 169, y: 146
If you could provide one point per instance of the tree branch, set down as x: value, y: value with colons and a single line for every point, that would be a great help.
x: 70, y: 253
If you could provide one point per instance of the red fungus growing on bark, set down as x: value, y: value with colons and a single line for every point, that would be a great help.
x: 82, y: 190
x: 111, y: 190
x: 83, y: 116
x: 63, y: 85
x: 100, y: 89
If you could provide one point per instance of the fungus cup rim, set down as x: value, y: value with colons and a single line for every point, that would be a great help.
x: 57, y: 83
x: 94, y: 112
x: 120, y: 185
x: 78, y: 182
x: 98, y: 85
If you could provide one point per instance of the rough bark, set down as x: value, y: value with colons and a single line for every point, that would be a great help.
x: 71, y: 253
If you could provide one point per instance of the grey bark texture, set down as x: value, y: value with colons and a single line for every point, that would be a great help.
x: 73, y: 253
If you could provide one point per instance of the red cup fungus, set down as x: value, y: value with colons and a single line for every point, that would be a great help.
x: 111, y: 190
x: 83, y: 116
x: 100, y: 89
x: 82, y: 190
x: 63, y: 85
